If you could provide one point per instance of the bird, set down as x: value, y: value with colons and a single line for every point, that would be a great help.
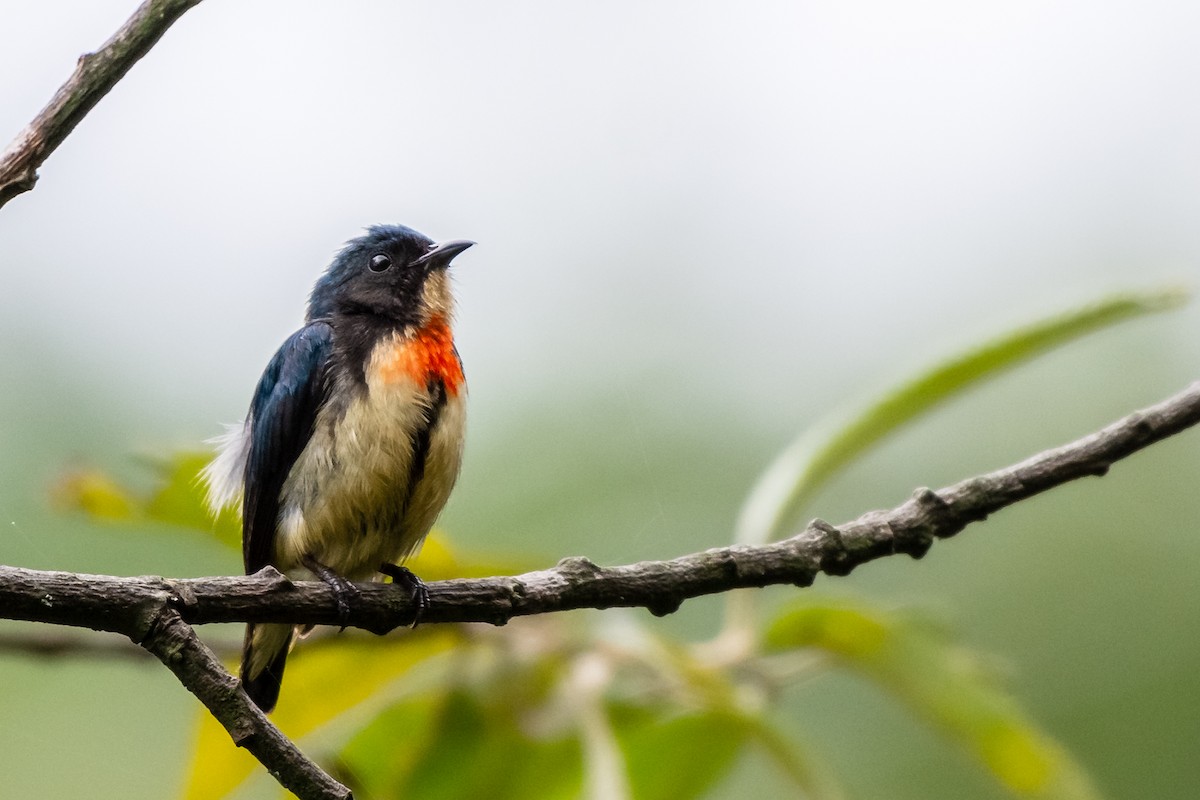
x: 354, y: 437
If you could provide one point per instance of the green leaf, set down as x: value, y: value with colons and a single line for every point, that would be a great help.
x: 676, y: 757
x: 495, y: 726
x: 477, y: 749
x: 945, y: 683
x: 379, y: 756
x: 783, y: 490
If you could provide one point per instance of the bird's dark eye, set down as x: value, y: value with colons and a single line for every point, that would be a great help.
x: 380, y: 262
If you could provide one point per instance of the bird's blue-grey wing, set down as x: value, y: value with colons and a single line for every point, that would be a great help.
x: 282, y: 416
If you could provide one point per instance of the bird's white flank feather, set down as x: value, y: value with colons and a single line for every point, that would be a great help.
x: 225, y: 474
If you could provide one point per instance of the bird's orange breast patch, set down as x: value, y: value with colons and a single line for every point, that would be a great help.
x: 429, y: 354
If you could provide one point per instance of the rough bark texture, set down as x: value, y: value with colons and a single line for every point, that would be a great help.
x: 131, y: 605
x: 176, y: 645
x: 158, y: 613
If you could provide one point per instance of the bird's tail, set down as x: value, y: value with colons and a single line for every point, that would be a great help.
x: 264, y: 655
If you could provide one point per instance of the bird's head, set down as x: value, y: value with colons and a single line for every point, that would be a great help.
x: 392, y: 272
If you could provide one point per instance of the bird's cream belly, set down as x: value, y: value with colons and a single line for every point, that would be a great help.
x: 346, y: 501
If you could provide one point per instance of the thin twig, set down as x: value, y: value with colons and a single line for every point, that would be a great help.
x: 74, y: 645
x: 99, y: 645
x: 94, y: 76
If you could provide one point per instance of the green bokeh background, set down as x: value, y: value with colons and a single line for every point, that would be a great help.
x: 700, y: 230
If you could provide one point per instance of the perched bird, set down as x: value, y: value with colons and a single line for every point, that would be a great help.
x: 355, y: 433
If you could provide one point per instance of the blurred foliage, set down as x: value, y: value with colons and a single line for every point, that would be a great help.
x: 921, y: 664
x: 175, y: 498
x: 827, y: 448
x: 606, y: 706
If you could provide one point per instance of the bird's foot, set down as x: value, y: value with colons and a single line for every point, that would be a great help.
x: 417, y: 590
x: 344, y: 592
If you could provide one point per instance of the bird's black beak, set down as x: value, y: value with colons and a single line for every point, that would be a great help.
x: 442, y: 253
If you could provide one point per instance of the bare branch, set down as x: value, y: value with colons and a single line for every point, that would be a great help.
x: 95, y: 75
x: 149, y: 619
x: 156, y: 612
x: 176, y: 645
x: 128, y: 605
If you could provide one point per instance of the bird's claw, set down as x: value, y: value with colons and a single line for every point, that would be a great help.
x: 417, y: 591
x: 344, y: 591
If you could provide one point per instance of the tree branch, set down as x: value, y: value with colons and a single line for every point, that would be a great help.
x: 150, y: 620
x: 176, y: 645
x: 158, y: 612
x: 95, y: 75
x: 127, y: 605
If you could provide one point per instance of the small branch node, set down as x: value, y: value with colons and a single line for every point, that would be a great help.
x: 181, y: 597
x: 730, y: 568
x: 1142, y: 425
x: 930, y: 501
x: 665, y: 605
x: 835, y: 558
x: 275, y: 580
x: 578, y: 567
x: 805, y: 579
x: 242, y: 732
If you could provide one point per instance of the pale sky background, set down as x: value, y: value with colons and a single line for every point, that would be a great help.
x: 647, y: 182
x: 697, y: 222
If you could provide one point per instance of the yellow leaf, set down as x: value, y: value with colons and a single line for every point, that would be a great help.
x: 95, y: 494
